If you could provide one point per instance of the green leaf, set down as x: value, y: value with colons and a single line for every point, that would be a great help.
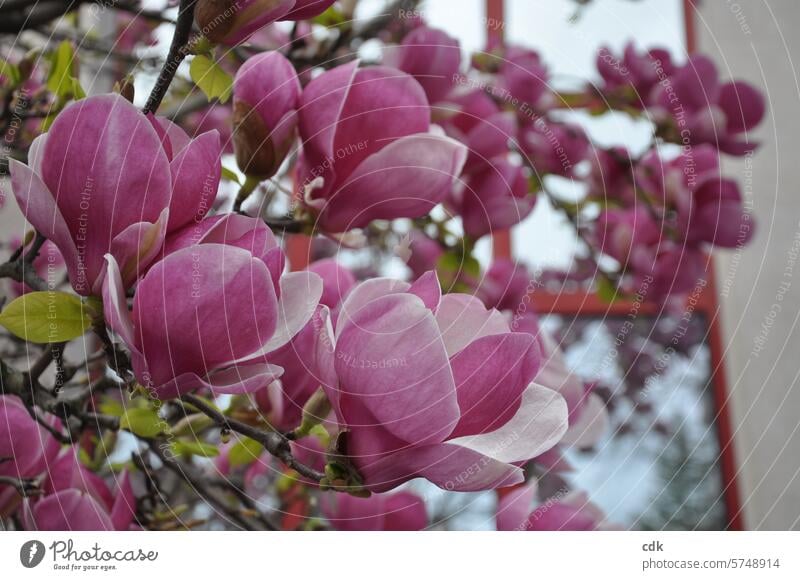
x: 10, y: 71
x: 211, y: 78
x: 46, y: 317
x: 183, y: 447
x: 606, y: 290
x: 62, y: 79
x: 330, y: 18
x: 143, y: 422
x: 112, y: 407
x: 244, y: 452
x: 230, y: 175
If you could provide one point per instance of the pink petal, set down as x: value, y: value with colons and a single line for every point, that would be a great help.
x: 491, y: 374
x: 407, y: 178
x: 449, y: 466
x: 202, y: 308
x: 463, y: 318
x: 514, y: 508
x: 196, y: 172
x: 427, y: 288
x: 538, y: 425
x: 136, y: 247
x: 391, y: 357
x: 37, y: 203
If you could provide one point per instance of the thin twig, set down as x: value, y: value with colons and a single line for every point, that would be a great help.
x: 275, y: 443
x: 177, y: 52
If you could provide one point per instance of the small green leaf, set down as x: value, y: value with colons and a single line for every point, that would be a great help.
x: 211, y: 78
x: 10, y: 71
x: 606, y: 290
x: 330, y: 18
x: 62, y: 79
x: 244, y: 452
x: 183, y: 447
x: 112, y: 407
x: 143, y: 422
x: 230, y: 175
x: 46, y: 317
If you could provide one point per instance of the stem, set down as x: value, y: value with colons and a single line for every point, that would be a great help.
x: 248, y: 187
x: 177, y: 52
x: 276, y: 444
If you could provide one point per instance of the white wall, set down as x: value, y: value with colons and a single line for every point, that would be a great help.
x: 757, y: 40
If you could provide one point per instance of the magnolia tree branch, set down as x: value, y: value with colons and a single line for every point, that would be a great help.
x: 203, y: 488
x: 20, y: 265
x: 178, y: 50
x: 24, y: 487
x: 275, y: 443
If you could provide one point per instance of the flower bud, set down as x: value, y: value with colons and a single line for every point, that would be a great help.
x: 234, y: 21
x: 266, y: 93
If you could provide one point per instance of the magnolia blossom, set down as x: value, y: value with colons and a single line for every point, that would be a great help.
x: 476, y: 120
x: 266, y: 93
x: 425, y: 385
x: 431, y: 56
x: 209, y: 315
x: 107, y: 179
x: 704, y: 110
x: 402, y: 511
x: 26, y: 447
x: 283, y: 400
x: 233, y: 21
x: 524, y: 77
x: 494, y: 199
x: 505, y: 286
x: 554, y: 148
x: 76, y: 499
x: 517, y: 511
x: 632, y: 76
x: 368, y: 149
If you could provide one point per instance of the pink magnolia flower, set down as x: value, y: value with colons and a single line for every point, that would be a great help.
x: 704, y: 110
x: 368, y: 152
x: 431, y: 56
x: 554, y: 148
x: 26, y: 448
x: 283, y: 400
x: 402, y: 511
x: 611, y: 175
x: 709, y: 208
x: 627, y: 235
x: 517, y: 511
x: 506, y: 285
x: 494, y: 199
x: 266, y: 93
x: 524, y: 77
x: 209, y: 315
x: 234, y: 21
x: 107, y: 179
x: 232, y: 229
x: 78, y: 500
x: 425, y: 385
x: 632, y: 76
x: 475, y: 120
